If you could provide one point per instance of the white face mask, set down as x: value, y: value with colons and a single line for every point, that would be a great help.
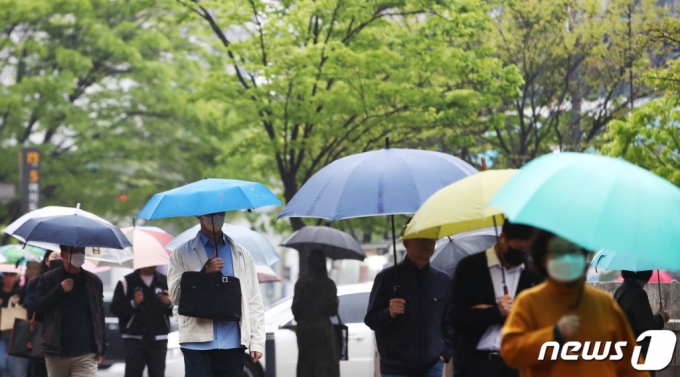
x: 566, y: 268
x: 77, y: 259
x: 215, y: 224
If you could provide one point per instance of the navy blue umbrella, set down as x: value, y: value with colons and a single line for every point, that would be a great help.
x: 73, y: 230
x: 389, y: 181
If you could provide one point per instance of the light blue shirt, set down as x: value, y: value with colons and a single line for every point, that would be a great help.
x: 227, y: 333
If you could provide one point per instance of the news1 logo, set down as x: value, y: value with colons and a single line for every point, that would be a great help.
x: 661, y: 350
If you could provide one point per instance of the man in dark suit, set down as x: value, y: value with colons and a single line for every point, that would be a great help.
x: 483, y: 289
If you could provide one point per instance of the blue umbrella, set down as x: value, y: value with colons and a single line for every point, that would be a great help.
x: 207, y: 196
x: 611, y: 260
x: 73, y: 230
x: 389, y: 181
x: 262, y: 251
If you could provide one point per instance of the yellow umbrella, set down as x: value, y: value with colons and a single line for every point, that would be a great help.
x: 460, y: 206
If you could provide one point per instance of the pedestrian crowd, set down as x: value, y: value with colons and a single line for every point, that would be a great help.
x: 491, y: 317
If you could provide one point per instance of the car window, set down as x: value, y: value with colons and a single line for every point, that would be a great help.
x: 353, y: 307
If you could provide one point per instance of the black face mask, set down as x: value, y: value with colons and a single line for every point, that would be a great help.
x: 515, y: 256
x: 56, y: 263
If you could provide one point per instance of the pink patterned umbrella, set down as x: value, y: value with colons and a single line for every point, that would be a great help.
x: 266, y: 275
x: 89, y: 266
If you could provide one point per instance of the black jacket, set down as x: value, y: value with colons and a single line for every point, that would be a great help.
x: 49, y: 305
x: 472, y: 285
x: 634, y: 301
x: 148, y: 320
x: 412, y: 343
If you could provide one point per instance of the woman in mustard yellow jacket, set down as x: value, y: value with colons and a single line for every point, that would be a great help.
x: 565, y: 309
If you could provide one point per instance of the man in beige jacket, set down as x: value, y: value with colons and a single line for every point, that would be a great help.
x: 214, y: 347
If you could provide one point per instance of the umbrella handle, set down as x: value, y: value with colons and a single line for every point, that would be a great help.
x: 505, y: 289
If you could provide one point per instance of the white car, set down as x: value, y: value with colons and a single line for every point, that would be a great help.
x: 281, y: 345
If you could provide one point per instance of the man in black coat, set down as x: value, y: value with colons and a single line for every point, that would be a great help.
x: 411, y: 323
x: 143, y: 308
x: 634, y: 301
x: 71, y: 301
x: 483, y: 289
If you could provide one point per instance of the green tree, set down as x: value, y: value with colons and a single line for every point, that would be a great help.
x: 308, y: 82
x: 578, y: 61
x: 649, y: 138
x: 101, y: 86
x: 650, y: 135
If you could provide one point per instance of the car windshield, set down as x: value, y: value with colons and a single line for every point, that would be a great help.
x: 278, y: 312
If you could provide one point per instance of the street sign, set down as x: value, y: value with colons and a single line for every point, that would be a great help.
x: 29, y: 179
x: 8, y: 192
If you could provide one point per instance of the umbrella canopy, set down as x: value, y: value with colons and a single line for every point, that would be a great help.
x: 657, y: 276
x: 9, y: 268
x: 451, y: 250
x: 389, y: 181
x: 262, y: 251
x: 335, y: 244
x: 599, y: 203
x: 611, y: 260
x: 13, y: 253
x: 48, y: 212
x: 91, y: 267
x: 460, y: 206
x: 148, y: 249
x: 266, y: 275
x: 208, y: 196
x: 73, y: 230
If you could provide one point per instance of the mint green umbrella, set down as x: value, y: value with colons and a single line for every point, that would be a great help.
x: 599, y: 203
x: 13, y: 253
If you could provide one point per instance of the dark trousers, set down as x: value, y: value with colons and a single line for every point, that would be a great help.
x: 140, y: 354
x: 487, y: 364
x: 37, y: 369
x: 216, y: 363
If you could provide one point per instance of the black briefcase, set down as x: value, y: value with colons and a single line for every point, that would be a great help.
x: 26, y: 340
x: 210, y: 296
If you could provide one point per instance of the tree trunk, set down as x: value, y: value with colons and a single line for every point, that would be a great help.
x: 576, y: 101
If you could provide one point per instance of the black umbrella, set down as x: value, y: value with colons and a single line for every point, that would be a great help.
x: 73, y: 230
x: 451, y: 250
x: 335, y: 244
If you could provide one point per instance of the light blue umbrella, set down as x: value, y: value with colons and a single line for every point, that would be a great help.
x: 262, y: 251
x: 389, y: 181
x: 599, y: 203
x: 207, y: 196
x: 611, y: 260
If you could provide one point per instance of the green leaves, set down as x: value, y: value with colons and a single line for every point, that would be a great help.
x: 101, y: 86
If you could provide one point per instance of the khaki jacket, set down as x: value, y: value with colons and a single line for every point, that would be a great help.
x: 191, y: 256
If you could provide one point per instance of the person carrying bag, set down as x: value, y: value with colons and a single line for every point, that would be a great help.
x: 201, y: 274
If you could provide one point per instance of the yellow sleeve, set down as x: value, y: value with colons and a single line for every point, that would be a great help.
x: 624, y: 367
x: 521, y: 342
